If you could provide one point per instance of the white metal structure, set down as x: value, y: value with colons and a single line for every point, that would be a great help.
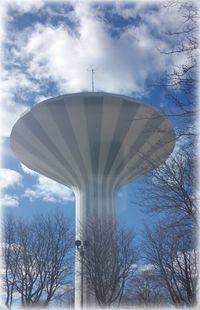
x: 93, y: 143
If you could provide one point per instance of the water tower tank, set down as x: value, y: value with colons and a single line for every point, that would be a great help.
x: 93, y: 143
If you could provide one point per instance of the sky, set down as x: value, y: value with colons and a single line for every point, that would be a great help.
x: 46, y: 50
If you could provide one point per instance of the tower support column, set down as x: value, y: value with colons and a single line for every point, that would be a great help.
x: 95, y: 202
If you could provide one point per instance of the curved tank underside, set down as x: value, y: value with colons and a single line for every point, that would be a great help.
x: 78, y: 138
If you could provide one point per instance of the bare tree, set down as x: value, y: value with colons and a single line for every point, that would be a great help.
x: 171, y: 250
x: 7, y: 247
x: 146, y: 289
x: 171, y: 189
x: 170, y: 195
x: 171, y: 245
x: 180, y: 81
x: 38, y: 260
x: 109, y: 260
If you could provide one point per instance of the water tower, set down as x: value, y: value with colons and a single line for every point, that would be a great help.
x: 93, y: 143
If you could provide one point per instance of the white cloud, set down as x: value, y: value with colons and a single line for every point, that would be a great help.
x: 124, y: 64
x: 9, y: 178
x: 65, y: 58
x: 143, y: 268
x: 155, y: 14
x: 9, y: 201
x: 43, y: 189
x: 3, y: 18
x: 46, y: 189
x: 146, y: 267
x: 49, y: 191
x: 10, y: 112
x: 13, y: 81
x: 24, y: 6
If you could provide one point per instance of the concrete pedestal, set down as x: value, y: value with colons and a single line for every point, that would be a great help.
x: 95, y: 201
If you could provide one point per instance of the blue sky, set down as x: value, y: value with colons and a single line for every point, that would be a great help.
x: 46, y: 51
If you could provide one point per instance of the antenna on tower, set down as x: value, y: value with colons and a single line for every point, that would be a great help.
x: 92, y: 70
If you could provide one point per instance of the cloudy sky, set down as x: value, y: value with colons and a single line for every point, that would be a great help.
x: 46, y: 50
